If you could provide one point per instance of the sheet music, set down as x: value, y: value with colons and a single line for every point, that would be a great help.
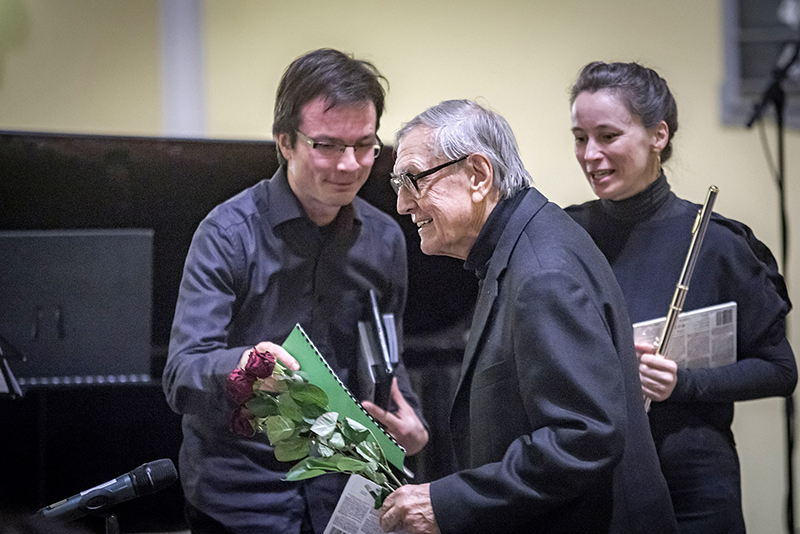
x: 355, y: 512
x: 703, y: 338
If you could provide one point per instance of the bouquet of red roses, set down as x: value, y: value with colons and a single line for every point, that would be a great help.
x: 294, y: 414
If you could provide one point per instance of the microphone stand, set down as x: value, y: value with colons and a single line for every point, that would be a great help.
x: 112, y: 523
x: 776, y: 95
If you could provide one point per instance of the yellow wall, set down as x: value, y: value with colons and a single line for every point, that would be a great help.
x: 94, y: 66
x: 80, y: 66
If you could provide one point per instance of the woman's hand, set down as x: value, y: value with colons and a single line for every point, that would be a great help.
x: 657, y: 374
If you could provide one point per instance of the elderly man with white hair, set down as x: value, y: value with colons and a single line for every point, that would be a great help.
x: 548, y: 421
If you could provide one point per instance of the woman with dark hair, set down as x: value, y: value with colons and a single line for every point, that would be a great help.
x: 623, y: 119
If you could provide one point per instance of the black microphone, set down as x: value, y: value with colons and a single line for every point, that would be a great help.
x: 144, y: 480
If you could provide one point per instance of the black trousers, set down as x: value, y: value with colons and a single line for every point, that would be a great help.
x: 200, y: 523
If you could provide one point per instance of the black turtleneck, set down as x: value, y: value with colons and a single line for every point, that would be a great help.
x: 645, y: 239
x: 651, y: 203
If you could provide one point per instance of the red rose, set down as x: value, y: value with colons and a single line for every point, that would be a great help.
x: 240, y: 386
x: 240, y: 423
x: 260, y: 364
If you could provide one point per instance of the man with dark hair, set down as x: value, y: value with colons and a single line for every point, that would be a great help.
x: 297, y: 248
x: 343, y: 81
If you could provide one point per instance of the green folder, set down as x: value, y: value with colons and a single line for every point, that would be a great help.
x: 340, y: 399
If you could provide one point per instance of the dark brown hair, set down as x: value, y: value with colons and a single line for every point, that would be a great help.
x: 642, y: 91
x: 338, y: 77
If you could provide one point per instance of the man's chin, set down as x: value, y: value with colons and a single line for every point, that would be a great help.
x: 342, y: 195
x: 428, y: 248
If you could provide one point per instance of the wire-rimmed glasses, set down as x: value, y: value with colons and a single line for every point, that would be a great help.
x: 332, y: 149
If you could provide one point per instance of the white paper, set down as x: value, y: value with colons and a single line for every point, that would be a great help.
x: 702, y: 338
x: 355, y: 512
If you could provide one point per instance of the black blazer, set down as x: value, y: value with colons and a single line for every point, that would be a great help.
x: 548, y: 421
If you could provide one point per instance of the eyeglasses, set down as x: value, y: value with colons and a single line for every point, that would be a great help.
x: 405, y: 179
x: 329, y: 149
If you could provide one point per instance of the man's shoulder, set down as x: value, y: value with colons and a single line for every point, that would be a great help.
x: 242, y: 206
x: 554, y: 241
x: 554, y: 225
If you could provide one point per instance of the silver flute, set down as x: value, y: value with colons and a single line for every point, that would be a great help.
x: 698, y: 233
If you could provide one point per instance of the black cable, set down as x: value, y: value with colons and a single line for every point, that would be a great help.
x: 775, y: 95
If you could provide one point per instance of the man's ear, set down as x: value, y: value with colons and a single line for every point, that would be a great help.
x: 660, y: 136
x: 284, y: 142
x: 481, y: 176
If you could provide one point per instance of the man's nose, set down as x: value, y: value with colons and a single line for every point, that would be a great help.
x: 405, y: 201
x: 348, y: 160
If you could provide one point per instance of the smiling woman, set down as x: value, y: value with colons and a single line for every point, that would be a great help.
x: 618, y: 155
x: 623, y: 120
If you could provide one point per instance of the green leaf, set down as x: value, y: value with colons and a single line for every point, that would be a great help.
x: 303, y: 427
x: 303, y: 473
x: 303, y: 375
x: 325, y: 424
x: 370, y: 451
x: 371, y: 472
x: 328, y: 464
x: 297, y: 380
x: 324, y: 450
x: 289, y: 408
x: 309, y: 394
x: 337, y: 440
x: 350, y: 465
x: 312, y: 411
x: 263, y: 406
x: 292, y: 449
x: 279, y: 428
x: 279, y: 378
x: 355, y: 425
x: 354, y: 431
x: 277, y: 385
x: 260, y: 424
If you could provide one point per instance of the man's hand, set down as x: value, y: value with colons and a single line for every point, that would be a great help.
x: 276, y: 350
x: 658, y: 375
x: 409, y: 509
x: 404, y: 425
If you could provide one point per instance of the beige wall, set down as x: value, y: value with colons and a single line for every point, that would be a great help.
x: 94, y: 66
x: 80, y: 66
